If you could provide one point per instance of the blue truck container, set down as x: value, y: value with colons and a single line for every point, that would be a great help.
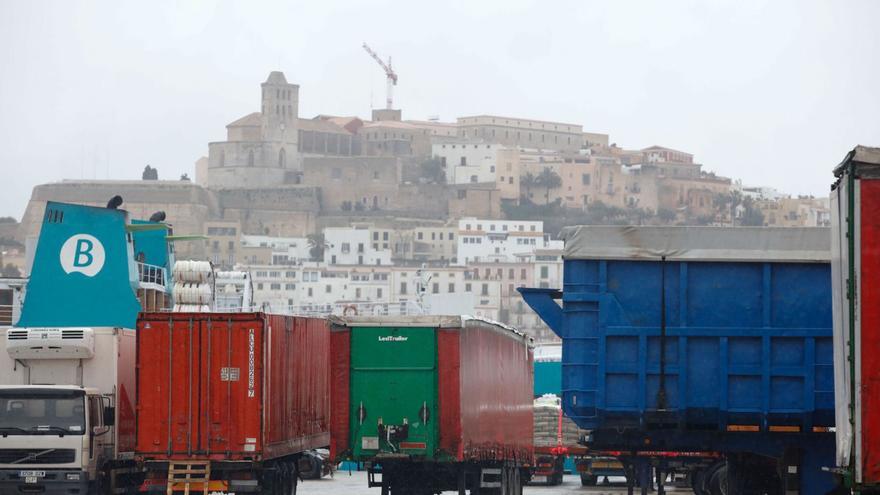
x: 699, y: 339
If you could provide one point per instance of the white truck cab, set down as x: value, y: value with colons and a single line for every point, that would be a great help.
x: 52, y: 438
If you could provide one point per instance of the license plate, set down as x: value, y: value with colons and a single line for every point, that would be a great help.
x: 539, y: 479
x: 32, y: 474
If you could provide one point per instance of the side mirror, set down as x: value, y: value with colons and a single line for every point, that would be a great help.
x: 109, y: 416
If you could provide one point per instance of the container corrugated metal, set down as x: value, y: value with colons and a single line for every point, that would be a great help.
x: 855, y: 202
x: 700, y: 328
x: 473, y: 377
x: 237, y: 386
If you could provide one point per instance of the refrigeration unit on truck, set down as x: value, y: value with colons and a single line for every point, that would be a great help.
x: 67, y: 377
x: 704, y: 350
x: 433, y: 403
x: 855, y: 223
x: 230, y: 402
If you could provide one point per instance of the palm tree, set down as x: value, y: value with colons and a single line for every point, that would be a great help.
x: 528, y: 181
x: 549, y: 180
x: 317, y: 245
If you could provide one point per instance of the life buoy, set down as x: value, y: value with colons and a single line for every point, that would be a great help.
x: 352, y: 308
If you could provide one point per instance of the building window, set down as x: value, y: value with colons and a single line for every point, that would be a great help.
x: 511, y: 274
x: 282, y: 158
x: 251, y: 158
x: 260, y: 286
x: 275, y: 286
x: 403, y: 287
x: 585, y: 179
x: 327, y: 289
x: 435, y: 288
x: 379, y: 293
x: 451, y: 288
x: 545, y: 272
x: 357, y: 293
x: 485, y: 290
x: 384, y: 236
x: 522, y: 274
x: 420, y: 236
x: 450, y: 236
x: 467, y: 287
x: 289, y: 286
x: 310, y: 292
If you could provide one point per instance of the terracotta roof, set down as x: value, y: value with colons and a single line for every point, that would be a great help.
x: 391, y: 124
x: 317, y: 125
x: 251, y: 119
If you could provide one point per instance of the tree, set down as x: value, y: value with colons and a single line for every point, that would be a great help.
x: 729, y: 202
x: 548, y: 179
x: 317, y: 245
x: 432, y: 170
x: 528, y: 181
x: 666, y: 215
x: 752, y: 215
x: 184, y: 177
x: 150, y: 173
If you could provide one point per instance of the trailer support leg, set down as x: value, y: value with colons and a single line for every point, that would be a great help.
x: 645, y: 481
x: 630, y: 479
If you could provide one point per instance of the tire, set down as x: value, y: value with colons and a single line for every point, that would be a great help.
x: 589, y: 479
x: 717, y: 480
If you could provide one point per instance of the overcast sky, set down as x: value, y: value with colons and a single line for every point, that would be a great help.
x: 774, y: 93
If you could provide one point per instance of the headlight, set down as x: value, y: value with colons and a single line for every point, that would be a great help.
x: 73, y: 476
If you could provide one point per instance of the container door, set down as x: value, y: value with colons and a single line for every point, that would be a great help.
x: 168, y: 392
x: 230, y: 395
x: 393, y: 391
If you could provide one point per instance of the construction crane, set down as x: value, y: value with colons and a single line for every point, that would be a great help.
x: 390, y: 76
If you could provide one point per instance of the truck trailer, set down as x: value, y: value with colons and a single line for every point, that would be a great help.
x: 855, y: 204
x: 433, y: 403
x: 229, y: 402
x: 703, y: 350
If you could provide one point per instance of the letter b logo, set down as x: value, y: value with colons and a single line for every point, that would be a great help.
x: 82, y: 253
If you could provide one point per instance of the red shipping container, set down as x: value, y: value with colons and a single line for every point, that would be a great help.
x: 237, y: 386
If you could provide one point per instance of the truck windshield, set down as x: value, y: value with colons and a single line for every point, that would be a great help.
x: 42, y: 412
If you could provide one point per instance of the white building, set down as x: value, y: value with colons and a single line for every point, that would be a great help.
x: 500, y: 240
x: 285, y: 250
x: 467, y: 162
x: 355, y: 246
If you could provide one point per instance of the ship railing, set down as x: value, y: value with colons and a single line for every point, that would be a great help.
x: 151, y: 276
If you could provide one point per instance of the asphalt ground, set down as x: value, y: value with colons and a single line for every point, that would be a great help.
x: 355, y: 483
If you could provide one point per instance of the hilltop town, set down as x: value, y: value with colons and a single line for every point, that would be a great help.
x: 336, y: 213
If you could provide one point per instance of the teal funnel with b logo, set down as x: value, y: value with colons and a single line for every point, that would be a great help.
x: 83, y: 273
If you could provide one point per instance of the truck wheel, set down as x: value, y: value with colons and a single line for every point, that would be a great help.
x: 589, y: 479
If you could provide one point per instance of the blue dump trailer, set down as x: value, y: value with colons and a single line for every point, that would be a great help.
x: 704, y: 351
